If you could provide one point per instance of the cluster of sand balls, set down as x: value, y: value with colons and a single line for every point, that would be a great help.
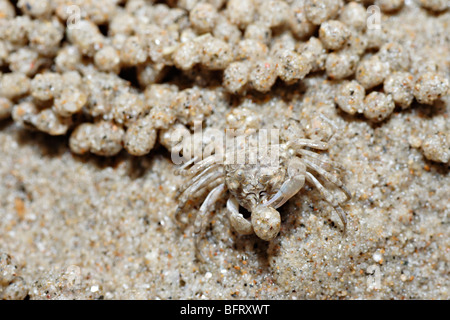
x: 62, y: 63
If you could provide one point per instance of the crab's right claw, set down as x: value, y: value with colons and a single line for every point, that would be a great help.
x: 288, y: 189
x: 237, y: 220
x: 295, y: 182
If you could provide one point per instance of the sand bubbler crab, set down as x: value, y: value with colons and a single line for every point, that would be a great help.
x: 260, y: 175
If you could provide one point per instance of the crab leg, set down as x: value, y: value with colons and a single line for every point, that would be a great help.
x: 182, y: 170
x: 201, y: 218
x: 328, y: 197
x: 205, y: 163
x: 329, y: 177
x: 321, y: 159
x: 194, y: 180
x: 206, y: 207
x: 211, y: 186
x: 301, y: 143
x: 203, y: 182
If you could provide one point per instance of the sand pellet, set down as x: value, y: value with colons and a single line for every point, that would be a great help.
x: 378, y: 106
x: 187, y: 55
x: 354, y: 14
x: 5, y: 108
x: 203, y: 17
x: 103, y: 138
x: 50, y: 122
x: 333, y: 34
x: 133, y: 51
x: 396, y: 55
x: 274, y: 13
x: 240, y: 12
x: 319, y: 11
x: 70, y: 101
x: 350, y: 97
x: 292, y: 66
x: 314, y: 51
x: 251, y: 49
x: 435, y: 5
x: 389, y: 5
x: 140, y: 137
x: 46, y: 86
x: 342, y: 64
x: 436, y: 147
x: 400, y: 85
x: 108, y: 59
x: 128, y: 107
x: 263, y: 75
x: 14, y: 84
x: 236, y: 75
x: 216, y: 54
x: 429, y: 87
x: 23, y: 114
x: 226, y: 31
x: 258, y: 31
x: 299, y: 24
x: 372, y: 72
x: 25, y: 61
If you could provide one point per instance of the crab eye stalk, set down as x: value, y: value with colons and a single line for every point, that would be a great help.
x: 266, y: 222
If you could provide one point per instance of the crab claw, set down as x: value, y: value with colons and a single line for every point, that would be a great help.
x: 291, y: 186
x: 266, y: 222
x: 237, y: 220
x: 289, y: 189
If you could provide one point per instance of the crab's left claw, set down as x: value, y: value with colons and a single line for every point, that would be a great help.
x: 296, y: 180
